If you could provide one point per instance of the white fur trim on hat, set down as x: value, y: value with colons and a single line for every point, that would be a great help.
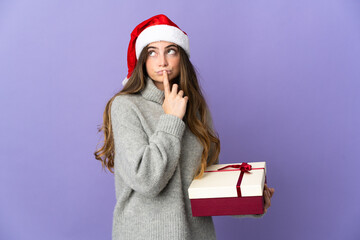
x: 125, y: 81
x: 164, y: 33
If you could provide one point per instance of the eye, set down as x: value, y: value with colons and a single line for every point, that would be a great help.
x: 172, y: 51
x: 151, y: 53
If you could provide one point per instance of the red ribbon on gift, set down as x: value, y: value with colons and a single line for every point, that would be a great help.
x: 244, y: 168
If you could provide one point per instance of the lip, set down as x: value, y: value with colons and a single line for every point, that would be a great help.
x: 161, y: 72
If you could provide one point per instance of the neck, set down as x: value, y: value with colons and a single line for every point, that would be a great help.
x: 159, y: 85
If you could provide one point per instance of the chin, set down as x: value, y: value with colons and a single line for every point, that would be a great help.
x: 156, y: 79
x: 160, y: 79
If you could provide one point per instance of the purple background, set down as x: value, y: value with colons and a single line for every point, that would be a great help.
x: 282, y: 80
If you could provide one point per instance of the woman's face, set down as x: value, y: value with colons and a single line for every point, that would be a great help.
x: 162, y: 56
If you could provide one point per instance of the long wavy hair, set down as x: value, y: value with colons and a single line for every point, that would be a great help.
x: 196, y: 116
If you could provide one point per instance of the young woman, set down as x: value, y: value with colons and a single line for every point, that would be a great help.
x: 159, y: 137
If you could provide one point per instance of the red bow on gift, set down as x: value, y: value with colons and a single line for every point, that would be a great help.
x: 244, y: 167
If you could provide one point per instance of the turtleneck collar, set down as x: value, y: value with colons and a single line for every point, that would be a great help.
x: 152, y: 93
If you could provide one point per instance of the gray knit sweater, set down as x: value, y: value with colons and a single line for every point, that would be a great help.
x: 156, y: 156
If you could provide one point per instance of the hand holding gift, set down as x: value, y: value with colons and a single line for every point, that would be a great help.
x: 268, y: 193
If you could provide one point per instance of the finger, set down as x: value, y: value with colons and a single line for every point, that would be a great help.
x: 174, y: 89
x: 267, y: 195
x: 267, y: 202
x: 186, y: 99
x: 272, y: 192
x: 265, y: 188
x: 181, y: 93
x: 265, y: 207
x: 166, y: 84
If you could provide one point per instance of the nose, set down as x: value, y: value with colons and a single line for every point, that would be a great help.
x: 162, y: 60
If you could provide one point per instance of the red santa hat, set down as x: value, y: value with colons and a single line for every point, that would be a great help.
x: 156, y: 28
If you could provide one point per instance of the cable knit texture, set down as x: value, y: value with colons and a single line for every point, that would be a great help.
x: 156, y: 157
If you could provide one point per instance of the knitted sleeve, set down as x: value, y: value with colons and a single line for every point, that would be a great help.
x: 145, y: 163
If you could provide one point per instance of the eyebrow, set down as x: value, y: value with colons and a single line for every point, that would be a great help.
x: 172, y: 45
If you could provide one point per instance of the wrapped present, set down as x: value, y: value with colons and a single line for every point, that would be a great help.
x: 229, y: 189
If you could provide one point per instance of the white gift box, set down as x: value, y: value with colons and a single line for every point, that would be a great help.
x: 228, y: 189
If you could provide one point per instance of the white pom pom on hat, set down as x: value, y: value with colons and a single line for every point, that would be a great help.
x: 156, y: 28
